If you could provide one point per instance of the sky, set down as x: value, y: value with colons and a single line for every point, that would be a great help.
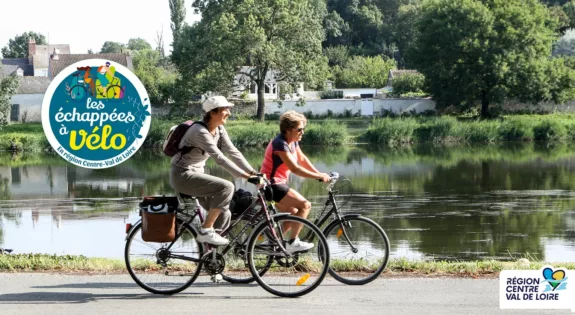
x: 85, y: 24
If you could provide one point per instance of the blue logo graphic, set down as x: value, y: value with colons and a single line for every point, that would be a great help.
x: 96, y: 113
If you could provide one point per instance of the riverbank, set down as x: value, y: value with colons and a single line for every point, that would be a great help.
x: 403, y: 267
x: 338, y: 132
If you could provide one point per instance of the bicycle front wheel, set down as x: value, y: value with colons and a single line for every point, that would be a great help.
x: 292, y: 275
x: 359, y: 250
x: 160, y: 270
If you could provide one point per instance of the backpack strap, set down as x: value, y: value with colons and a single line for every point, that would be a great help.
x: 186, y: 150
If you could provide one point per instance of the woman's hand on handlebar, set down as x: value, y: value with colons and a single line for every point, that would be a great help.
x: 256, y: 180
x: 324, y: 177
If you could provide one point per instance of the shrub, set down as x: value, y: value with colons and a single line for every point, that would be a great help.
x: 330, y: 94
x: 408, y: 85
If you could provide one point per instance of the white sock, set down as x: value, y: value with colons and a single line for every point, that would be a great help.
x: 204, y: 230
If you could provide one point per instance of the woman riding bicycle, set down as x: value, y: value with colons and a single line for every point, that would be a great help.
x: 283, y: 154
x: 187, y: 169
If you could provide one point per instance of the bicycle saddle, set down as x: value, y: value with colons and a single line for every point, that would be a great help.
x: 184, y: 196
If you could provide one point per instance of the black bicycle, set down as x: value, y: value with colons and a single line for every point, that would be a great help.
x: 359, y: 247
x: 168, y: 268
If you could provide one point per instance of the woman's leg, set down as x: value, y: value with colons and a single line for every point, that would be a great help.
x: 216, y: 190
x: 294, y: 203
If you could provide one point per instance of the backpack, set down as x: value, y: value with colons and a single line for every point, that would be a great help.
x: 172, y: 141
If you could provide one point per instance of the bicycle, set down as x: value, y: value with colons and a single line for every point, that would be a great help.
x: 271, y: 265
x: 350, y: 226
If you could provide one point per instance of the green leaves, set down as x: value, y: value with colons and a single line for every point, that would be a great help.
x: 272, y: 35
x: 18, y: 46
x: 364, y: 72
x: 474, y: 51
x: 8, y: 86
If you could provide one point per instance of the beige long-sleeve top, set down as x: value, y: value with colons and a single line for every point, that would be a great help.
x: 201, y: 139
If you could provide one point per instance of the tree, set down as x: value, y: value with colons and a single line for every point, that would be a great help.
x: 18, y: 46
x: 138, y: 44
x: 405, y: 30
x: 178, y: 16
x: 487, y: 51
x: 158, y: 80
x: 272, y: 37
x: 569, y: 9
x: 112, y: 47
x: 363, y: 72
x: 90, y: 52
x: 8, y: 86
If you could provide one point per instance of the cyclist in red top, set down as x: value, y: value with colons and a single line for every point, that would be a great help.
x: 283, y: 155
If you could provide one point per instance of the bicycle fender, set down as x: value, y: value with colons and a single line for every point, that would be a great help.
x: 280, y: 215
x: 351, y: 215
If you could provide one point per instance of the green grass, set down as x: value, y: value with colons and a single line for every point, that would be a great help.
x: 341, y: 131
x: 445, y: 129
x: 72, y: 264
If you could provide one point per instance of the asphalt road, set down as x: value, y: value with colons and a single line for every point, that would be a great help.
x: 35, y: 293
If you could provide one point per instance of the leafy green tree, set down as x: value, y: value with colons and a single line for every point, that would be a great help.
x: 112, y: 47
x: 138, y: 44
x: 8, y: 86
x: 486, y: 51
x: 408, y: 83
x: 18, y: 46
x: 569, y: 9
x: 363, y: 72
x: 178, y: 16
x: 337, y: 55
x: 158, y: 80
x: 405, y: 30
x: 272, y: 37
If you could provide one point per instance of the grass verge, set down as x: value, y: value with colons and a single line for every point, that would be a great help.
x: 76, y: 264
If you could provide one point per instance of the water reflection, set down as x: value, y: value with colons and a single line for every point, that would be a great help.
x: 462, y: 202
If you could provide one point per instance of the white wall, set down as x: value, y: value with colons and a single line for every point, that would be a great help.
x: 30, y: 103
x: 337, y: 106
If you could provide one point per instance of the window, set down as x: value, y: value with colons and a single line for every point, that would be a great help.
x: 267, y: 89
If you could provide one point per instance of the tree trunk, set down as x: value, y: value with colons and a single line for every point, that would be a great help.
x: 261, y: 100
x: 484, y: 105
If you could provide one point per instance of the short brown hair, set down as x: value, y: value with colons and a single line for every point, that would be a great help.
x: 290, y: 119
x: 208, y: 115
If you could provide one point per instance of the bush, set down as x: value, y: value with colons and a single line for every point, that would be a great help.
x: 364, y: 72
x: 330, y: 94
x: 408, y: 85
x: 391, y: 131
x: 439, y: 129
x: 516, y: 129
x: 550, y: 129
x: 327, y: 133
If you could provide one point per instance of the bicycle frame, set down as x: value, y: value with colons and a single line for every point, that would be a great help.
x: 269, y: 219
x: 323, y: 217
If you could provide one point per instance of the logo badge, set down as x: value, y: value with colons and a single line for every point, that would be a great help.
x: 535, y: 289
x: 96, y: 113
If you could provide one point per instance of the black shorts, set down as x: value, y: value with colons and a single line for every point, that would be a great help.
x: 280, y: 191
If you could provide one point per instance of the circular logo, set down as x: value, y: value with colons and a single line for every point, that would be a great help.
x: 96, y: 113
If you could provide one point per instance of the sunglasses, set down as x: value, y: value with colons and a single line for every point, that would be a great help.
x: 300, y: 129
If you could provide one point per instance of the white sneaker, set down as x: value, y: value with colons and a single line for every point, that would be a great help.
x: 298, y: 246
x: 211, y: 237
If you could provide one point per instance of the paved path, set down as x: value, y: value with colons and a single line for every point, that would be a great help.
x: 35, y: 293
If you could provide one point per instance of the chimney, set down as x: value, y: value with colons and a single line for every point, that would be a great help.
x: 31, y: 47
x: 55, y: 54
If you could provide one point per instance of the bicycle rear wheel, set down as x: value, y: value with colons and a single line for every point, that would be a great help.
x: 359, y: 250
x: 288, y: 276
x: 159, y: 270
x: 237, y: 268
